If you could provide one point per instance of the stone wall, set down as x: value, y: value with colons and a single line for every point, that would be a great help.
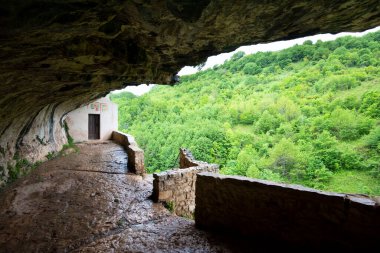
x: 187, y: 160
x: 176, y: 188
x: 293, y: 214
x: 135, y: 154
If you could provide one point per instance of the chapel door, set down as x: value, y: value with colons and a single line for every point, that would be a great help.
x: 93, y: 126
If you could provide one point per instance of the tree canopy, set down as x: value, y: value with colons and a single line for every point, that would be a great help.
x: 309, y: 114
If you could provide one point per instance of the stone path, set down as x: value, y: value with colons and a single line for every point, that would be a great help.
x: 88, y: 202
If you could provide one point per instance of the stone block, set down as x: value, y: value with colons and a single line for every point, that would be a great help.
x: 169, y: 183
x: 165, y: 195
x: 181, y: 185
x: 181, y: 197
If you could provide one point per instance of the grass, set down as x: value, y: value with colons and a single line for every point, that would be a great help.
x: 366, y: 86
x: 240, y: 128
x: 50, y: 155
x: 359, y: 182
x: 170, y: 205
x: 189, y: 217
x: 21, y: 168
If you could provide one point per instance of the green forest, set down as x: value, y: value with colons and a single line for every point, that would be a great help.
x: 307, y: 115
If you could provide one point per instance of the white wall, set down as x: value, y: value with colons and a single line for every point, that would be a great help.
x: 77, y: 120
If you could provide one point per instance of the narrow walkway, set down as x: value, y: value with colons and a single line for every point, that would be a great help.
x: 88, y: 202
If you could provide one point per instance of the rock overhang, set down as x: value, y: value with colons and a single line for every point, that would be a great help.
x: 59, y: 54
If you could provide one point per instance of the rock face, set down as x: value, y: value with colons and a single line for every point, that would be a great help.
x: 56, y: 55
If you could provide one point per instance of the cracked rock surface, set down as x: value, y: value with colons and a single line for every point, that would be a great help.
x: 88, y: 202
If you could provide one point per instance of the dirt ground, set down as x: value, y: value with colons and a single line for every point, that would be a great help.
x: 88, y: 202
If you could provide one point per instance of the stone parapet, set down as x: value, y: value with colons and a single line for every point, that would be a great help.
x: 176, y: 187
x: 186, y: 159
x: 288, y: 213
x: 135, y: 154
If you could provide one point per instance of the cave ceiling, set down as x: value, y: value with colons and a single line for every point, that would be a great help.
x: 54, y: 52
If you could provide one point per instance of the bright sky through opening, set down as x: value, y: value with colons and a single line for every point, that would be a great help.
x: 221, y: 58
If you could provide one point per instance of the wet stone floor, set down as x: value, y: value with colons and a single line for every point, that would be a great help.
x: 88, y: 202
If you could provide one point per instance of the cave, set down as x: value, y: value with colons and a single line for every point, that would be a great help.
x: 58, y: 55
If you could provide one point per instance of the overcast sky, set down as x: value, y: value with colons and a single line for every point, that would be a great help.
x: 219, y: 59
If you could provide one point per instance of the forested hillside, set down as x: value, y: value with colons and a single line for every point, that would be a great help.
x: 309, y: 115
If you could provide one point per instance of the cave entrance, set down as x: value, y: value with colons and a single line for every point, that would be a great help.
x: 94, y: 126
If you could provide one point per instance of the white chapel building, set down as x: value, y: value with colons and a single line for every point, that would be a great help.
x: 94, y: 121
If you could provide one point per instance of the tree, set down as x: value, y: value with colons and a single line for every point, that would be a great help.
x: 247, y: 158
x: 237, y: 56
x: 266, y: 122
x: 326, y: 151
x: 251, y: 68
x: 287, y: 109
x: 370, y: 104
x: 284, y: 157
x: 301, y: 115
x: 372, y: 140
x: 348, y: 125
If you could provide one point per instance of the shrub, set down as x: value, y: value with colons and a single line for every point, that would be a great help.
x: 247, y: 158
x: 287, y: 109
x: 253, y: 172
x: 370, y: 104
x: 335, y: 83
x: 373, y: 165
x: 372, y: 140
x: 21, y: 168
x: 332, y: 65
x: 266, y: 122
x: 284, y: 157
x: 251, y: 68
x: 317, y: 174
x: 268, y: 174
x: 349, y: 125
x: 325, y: 150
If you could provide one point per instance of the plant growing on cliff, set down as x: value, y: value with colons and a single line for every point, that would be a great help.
x: 70, y: 139
x: 21, y: 168
x: 170, y: 205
